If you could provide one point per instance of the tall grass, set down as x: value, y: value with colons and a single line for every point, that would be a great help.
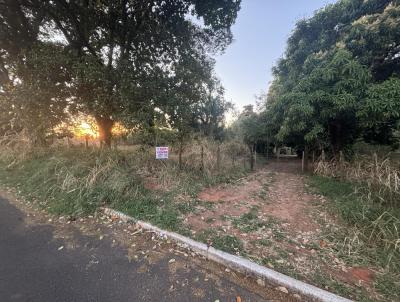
x: 366, y: 193
x: 212, y: 157
x: 378, y: 178
x: 15, y: 147
x: 76, y: 181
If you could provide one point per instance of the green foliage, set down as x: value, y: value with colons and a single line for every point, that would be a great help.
x: 249, y: 127
x: 325, y: 101
x: 341, y: 66
x: 127, y: 57
x: 381, y: 113
x: 39, y: 98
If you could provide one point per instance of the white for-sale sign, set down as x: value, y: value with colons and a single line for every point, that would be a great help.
x: 161, y: 152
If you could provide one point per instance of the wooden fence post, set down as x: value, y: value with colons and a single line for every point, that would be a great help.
x: 202, y: 158
x: 251, y: 159
x: 305, y: 158
x: 86, y: 141
x: 180, y: 154
x: 218, y: 157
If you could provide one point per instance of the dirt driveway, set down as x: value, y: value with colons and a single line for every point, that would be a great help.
x: 273, y: 218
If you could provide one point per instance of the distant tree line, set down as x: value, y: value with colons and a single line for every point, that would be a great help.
x: 140, y: 62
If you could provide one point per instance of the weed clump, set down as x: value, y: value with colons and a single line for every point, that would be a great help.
x: 223, y: 242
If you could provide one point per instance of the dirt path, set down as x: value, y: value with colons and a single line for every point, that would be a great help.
x: 272, y: 218
x: 290, y: 202
x: 275, y: 191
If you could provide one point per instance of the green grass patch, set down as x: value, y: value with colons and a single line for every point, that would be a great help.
x: 379, y: 224
x: 223, y: 242
x: 248, y: 222
x: 368, y: 234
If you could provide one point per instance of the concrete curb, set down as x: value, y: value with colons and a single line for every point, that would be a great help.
x: 236, y: 263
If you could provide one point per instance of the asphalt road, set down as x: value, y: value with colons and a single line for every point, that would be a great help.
x: 34, y: 268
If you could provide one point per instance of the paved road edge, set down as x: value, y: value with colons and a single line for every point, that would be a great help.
x: 235, y: 262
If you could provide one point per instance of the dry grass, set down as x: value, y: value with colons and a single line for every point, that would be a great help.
x: 15, y: 148
x: 217, y: 157
x: 366, y: 192
x: 379, y: 177
x: 76, y: 180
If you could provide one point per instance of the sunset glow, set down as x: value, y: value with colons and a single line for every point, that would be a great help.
x: 85, y: 127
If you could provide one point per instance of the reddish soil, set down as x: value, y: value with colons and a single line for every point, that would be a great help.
x: 287, y: 200
x: 362, y: 274
x: 152, y: 184
x: 232, y: 194
x: 229, y: 200
x: 286, y: 231
x: 290, y: 201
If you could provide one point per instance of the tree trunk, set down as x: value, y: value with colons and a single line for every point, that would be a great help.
x: 202, y: 159
x: 105, y: 125
x: 218, y: 157
x: 336, y: 134
x: 251, y: 157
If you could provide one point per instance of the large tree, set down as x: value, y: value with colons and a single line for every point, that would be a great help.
x: 320, y: 96
x: 125, y: 53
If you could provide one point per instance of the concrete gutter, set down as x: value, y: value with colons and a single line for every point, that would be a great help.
x: 237, y: 263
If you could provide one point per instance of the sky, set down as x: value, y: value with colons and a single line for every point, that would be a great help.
x: 260, y: 34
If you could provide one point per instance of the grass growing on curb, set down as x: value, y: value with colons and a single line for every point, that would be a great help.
x: 223, y: 242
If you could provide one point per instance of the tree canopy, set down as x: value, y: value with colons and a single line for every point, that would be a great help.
x: 339, y: 77
x: 123, y: 58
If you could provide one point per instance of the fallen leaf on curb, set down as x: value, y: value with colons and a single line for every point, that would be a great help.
x: 283, y: 289
x: 261, y: 282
